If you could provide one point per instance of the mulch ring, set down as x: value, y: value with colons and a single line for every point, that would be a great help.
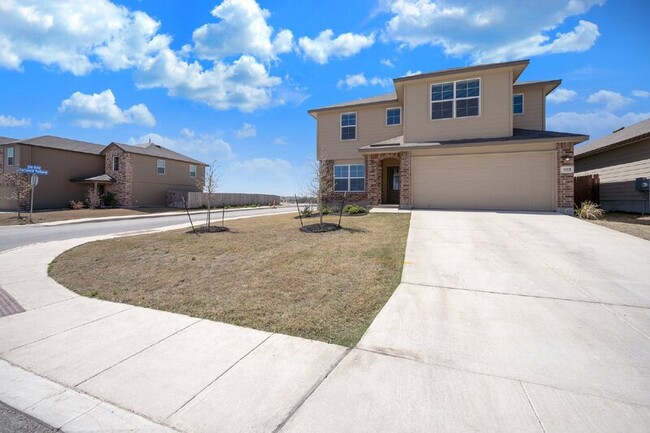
x: 211, y: 229
x: 320, y: 228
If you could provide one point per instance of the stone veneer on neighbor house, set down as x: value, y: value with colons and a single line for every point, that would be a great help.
x: 123, y: 186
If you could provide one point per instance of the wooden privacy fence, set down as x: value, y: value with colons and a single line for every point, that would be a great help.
x: 199, y: 199
x: 586, y: 188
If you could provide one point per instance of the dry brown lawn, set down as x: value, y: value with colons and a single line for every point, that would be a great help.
x: 633, y: 224
x: 264, y: 273
x: 11, y: 218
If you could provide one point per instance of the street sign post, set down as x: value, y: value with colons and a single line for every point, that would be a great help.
x: 34, y: 170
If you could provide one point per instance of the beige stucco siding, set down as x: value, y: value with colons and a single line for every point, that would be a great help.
x: 617, y: 170
x: 534, y: 115
x: 495, y: 113
x: 483, y: 149
x: 371, y: 128
x: 149, y: 187
x: 55, y: 190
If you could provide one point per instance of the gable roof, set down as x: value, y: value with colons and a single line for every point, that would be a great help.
x: 618, y: 138
x: 5, y: 140
x: 60, y: 143
x: 154, y: 150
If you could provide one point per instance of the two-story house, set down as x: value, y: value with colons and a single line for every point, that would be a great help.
x: 465, y: 138
x: 137, y: 175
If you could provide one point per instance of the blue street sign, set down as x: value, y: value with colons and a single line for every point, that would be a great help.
x: 33, y: 169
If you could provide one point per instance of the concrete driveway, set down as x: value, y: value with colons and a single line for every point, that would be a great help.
x: 504, y: 322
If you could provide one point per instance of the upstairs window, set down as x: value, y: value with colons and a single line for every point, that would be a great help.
x: 393, y: 116
x: 160, y: 166
x: 518, y: 104
x: 349, y: 126
x: 349, y: 178
x: 193, y: 171
x: 116, y: 163
x: 10, y: 156
x: 455, y: 99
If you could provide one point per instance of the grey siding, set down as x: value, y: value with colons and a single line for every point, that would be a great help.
x: 617, y: 169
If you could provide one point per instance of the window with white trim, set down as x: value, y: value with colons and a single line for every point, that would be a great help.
x: 349, y: 177
x: 116, y: 163
x: 348, y: 126
x: 160, y: 166
x: 10, y: 156
x: 518, y: 104
x: 393, y: 116
x: 193, y: 171
x: 455, y: 99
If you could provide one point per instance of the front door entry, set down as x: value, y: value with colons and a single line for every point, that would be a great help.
x: 393, y: 185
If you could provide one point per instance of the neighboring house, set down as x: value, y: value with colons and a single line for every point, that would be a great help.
x: 466, y: 138
x: 137, y: 175
x: 619, y: 159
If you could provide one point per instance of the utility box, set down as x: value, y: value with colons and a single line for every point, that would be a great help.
x: 642, y: 184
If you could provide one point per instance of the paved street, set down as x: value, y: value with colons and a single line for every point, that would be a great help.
x: 15, y: 236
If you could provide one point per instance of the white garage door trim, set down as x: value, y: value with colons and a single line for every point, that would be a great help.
x: 492, y: 181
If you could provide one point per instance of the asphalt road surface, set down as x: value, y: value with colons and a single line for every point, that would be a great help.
x: 14, y: 421
x: 18, y: 236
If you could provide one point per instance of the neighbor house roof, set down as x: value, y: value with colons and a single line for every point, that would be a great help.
x: 387, y: 97
x: 152, y: 149
x: 60, y: 143
x: 5, y: 140
x: 518, y: 135
x: 617, y: 138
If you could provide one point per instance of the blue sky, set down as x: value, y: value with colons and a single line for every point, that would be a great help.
x: 231, y: 81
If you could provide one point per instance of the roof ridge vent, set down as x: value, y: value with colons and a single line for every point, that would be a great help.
x: 619, y: 129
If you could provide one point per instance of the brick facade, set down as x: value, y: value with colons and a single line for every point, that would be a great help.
x: 372, y: 196
x: 123, y: 186
x: 564, y: 180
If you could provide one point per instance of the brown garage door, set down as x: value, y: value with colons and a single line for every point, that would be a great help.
x: 503, y: 181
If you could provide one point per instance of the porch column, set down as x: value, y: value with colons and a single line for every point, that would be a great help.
x: 373, y: 179
x: 405, y: 180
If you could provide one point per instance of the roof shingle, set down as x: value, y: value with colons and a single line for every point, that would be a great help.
x: 623, y: 135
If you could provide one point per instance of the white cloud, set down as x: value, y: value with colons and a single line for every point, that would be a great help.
x: 561, y: 95
x: 99, y: 110
x: 611, y: 100
x: 411, y: 73
x: 641, y: 93
x: 280, y: 141
x: 245, y: 84
x: 187, y: 133
x: 595, y: 124
x: 326, y: 46
x: 247, y: 130
x: 489, y: 31
x: 242, y: 29
x: 356, y: 80
x: 45, y: 125
x: 79, y: 36
x: 261, y: 175
x: 10, y: 121
x: 75, y: 35
x: 387, y: 62
x: 205, y: 147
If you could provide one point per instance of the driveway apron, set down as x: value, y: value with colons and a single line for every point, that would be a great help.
x: 527, y: 322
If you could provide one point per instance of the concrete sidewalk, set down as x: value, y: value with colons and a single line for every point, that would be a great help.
x: 503, y: 323
x: 92, y: 359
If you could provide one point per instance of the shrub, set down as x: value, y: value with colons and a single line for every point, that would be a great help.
x: 92, y: 198
x: 325, y: 210
x: 589, y: 210
x: 109, y: 199
x: 306, y: 212
x: 353, y: 209
x: 76, y: 205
